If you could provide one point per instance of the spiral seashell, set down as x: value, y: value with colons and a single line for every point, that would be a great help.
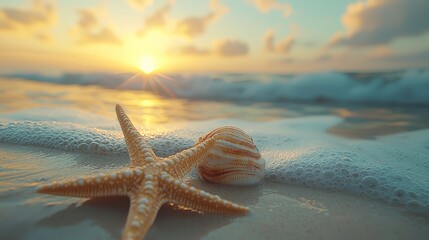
x: 234, y: 159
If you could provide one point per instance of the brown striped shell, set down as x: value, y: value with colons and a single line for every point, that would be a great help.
x: 234, y: 159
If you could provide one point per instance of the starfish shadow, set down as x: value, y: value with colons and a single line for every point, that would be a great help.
x: 172, y: 221
x: 193, y: 225
x: 110, y: 213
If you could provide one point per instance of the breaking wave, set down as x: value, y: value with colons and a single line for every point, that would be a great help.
x: 409, y: 87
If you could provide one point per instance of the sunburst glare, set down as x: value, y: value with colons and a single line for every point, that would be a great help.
x: 150, y: 79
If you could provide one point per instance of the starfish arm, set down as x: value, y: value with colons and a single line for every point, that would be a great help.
x: 182, y: 194
x: 138, y: 148
x: 144, y: 206
x: 115, y: 184
x: 180, y: 164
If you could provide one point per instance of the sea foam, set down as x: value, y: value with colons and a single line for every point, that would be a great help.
x: 78, y: 138
x: 297, y: 151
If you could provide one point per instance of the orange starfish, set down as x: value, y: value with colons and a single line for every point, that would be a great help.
x: 149, y: 182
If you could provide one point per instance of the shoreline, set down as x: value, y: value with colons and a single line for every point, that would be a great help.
x: 276, y: 211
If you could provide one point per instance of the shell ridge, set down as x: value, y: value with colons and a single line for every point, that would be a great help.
x: 234, y: 159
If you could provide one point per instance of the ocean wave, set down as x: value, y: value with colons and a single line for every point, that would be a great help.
x: 409, y: 87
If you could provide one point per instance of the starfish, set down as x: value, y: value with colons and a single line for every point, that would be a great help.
x: 149, y: 181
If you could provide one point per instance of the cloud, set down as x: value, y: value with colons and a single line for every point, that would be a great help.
x: 189, y: 26
x: 193, y: 26
x: 283, y: 46
x: 230, y: 48
x: 385, y: 54
x: 420, y: 56
x: 417, y: 59
x: 34, y: 20
x: 44, y: 37
x: 158, y: 19
x: 221, y: 47
x: 89, y: 28
x: 192, y: 50
x: 381, y: 52
x: 268, y: 5
x: 140, y: 4
x: 379, y: 22
x: 286, y: 44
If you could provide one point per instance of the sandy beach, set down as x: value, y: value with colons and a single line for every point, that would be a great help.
x: 277, y: 211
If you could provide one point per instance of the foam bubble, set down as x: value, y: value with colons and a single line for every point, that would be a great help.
x: 369, y: 181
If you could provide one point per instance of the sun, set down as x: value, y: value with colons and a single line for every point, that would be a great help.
x: 147, y: 64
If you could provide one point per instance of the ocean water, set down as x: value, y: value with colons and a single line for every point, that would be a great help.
x: 361, y: 134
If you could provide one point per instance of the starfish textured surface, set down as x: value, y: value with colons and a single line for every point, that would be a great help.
x: 149, y: 182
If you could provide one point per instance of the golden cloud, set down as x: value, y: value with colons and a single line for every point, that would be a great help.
x: 36, y: 20
x: 193, y: 26
x: 268, y: 5
x: 283, y: 46
x: 159, y: 19
x: 192, y: 50
x: 140, y: 4
x: 89, y: 28
x: 189, y: 26
x: 230, y: 47
x: 220, y: 47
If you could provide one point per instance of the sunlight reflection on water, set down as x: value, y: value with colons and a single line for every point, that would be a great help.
x: 153, y: 111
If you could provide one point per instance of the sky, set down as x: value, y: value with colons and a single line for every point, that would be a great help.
x: 200, y: 36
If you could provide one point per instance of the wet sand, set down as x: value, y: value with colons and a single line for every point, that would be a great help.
x: 277, y: 211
